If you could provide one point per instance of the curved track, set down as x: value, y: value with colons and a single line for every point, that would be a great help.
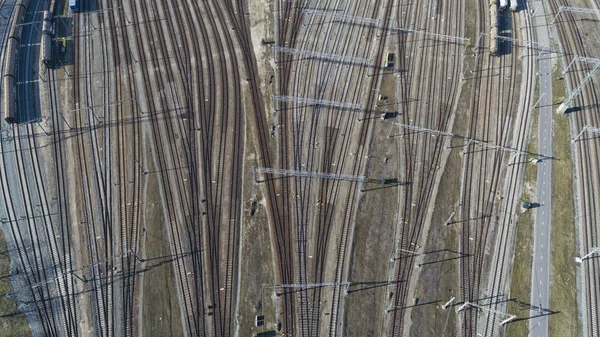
x: 585, y: 153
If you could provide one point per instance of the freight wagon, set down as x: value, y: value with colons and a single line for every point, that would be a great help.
x: 47, y: 50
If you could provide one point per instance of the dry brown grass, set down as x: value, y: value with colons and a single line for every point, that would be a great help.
x: 13, y: 323
x: 160, y: 302
x: 563, y: 298
x: 520, y: 287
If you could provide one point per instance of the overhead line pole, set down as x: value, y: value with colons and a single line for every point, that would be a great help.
x: 592, y: 252
x: 574, y: 10
x: 581, y: 59
x: 448, y: 134
x: 496, y: 312
x: 563, y: 107
x: 586, y: 128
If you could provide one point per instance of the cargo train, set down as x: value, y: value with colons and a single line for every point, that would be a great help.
x: 12, y: 50
x: 494, y: 41
x: 494, y: 27
x: 47, y: 23
x: 514, y: 6
x: 493, y: 16
x: 10, y: 81
x: 46, y: 48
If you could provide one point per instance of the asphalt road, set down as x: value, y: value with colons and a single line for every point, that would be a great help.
x: 540, y: 276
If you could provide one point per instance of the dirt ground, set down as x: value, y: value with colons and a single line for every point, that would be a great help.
x: 373, y: 245
x: 438, y: 282
x: 160, y: 303
x: 257, y: 275
x: 256, y: 268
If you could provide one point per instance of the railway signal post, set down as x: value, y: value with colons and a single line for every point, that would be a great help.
x: 574, y: 10
x: 592, y: 252
x: 586, y: 128
x: 564, y: 106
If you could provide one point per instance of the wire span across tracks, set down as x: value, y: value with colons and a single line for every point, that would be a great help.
x: 448, y: 134
x: 325, y: 56
x: 313, y: 285
x: 342, y: 16
x: 309, y: 174
x: 574, y: 10
x: 321, y: 102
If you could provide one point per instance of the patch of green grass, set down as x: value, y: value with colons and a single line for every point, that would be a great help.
x: 563, y: 298
x: 160, y: 303
x: 13, y: 323
x: 520, y: 287
x: 470, y: 22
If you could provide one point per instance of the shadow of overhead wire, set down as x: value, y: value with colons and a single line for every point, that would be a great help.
x: 370, y: 285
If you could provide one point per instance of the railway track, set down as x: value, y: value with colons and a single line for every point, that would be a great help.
x: 61, y: 202
x: 27, y: 254
x: 286, y: 69
x: 104, y: 180
x: 422, y: 158
x: 49, y: 284
x: 37, y: 244
x: 497, y: 284
x: 479, y: 204
x: 586, y: 167
x: 95, y: 179
x: 212, y: 166
x: 292, y: 135
x: 117, y: 58
x: 223, y: 136
x: 306, y: 130
x: 36, y: 197
x: 201, y: 185
x: 92, y: 216
x: 143, y: 40
x: 471, y: 268
x: 130, y: 216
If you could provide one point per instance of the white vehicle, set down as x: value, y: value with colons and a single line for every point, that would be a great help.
x: 503, y: 4
x: 514, y: 5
